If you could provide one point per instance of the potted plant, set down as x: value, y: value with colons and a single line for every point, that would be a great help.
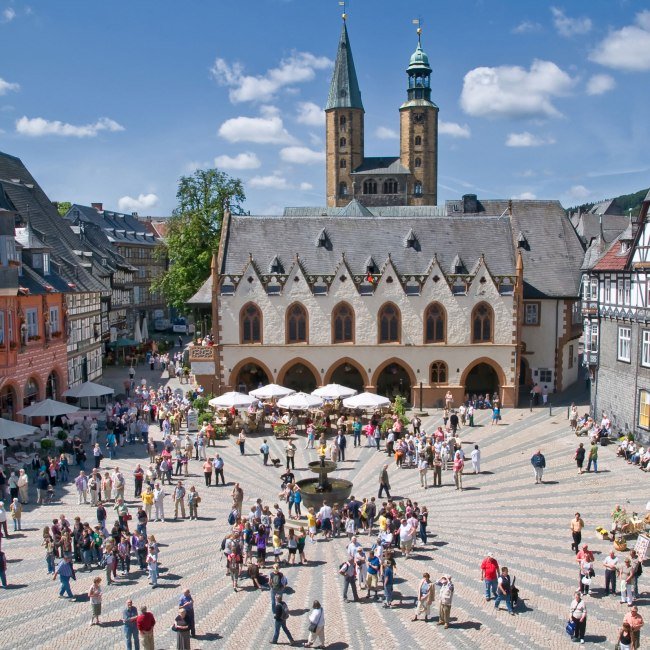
x: 62, y: 435
x: 47, y: 444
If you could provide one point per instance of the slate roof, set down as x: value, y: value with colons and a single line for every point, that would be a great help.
x: 118, y: 226
x: 552, y: 258
x: 204, y: 295
x: 382, y: 165
x: 344, y: 88
x: 589, y: 225
x: 33, y: 205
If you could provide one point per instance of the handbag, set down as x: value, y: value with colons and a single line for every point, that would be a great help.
x: 314, y: 626
x: 570, y: 627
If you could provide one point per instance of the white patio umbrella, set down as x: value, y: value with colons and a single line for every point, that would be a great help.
x: 271, y: 391
x: 145, y: 329
x: 300, y: 402
x: 232, y: 399
x: 10, y: 430
x: 334, y: 391
x: 88, y: 389
x: 137, y: 333
x: 49, y: 409
x: 366, y: 401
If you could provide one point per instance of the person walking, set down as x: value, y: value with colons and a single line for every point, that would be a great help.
x: 384, y: 485
x: 16, y: 510
x: 241, y: 441
x: 145, y: 624
x: 489, y: 575
x: 626, y: 578
x: 389, y: 578
x: 290, y: 452
x: 218, y: 464
x: 446, y: 596
x: 65, y: 571
x: 186, y: 602
x: 281, y: 615
x: 611, y: 565
x: 476, y: 460
x: 635, y: 621
x: 426, y: 596
x: 576, y: 526
x: 459, y: 465
x: 593, y: 457
x: 578, y: 614
x: 316, y: 626
x: 159, y: 502
x: 95, y: 596
x: 349, y: 572
x: 265, y: 450
x: 503, y: 591
x: 539, y: 463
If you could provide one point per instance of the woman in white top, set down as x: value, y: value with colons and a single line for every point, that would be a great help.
x: 316, y: 626
x: 578, y: 613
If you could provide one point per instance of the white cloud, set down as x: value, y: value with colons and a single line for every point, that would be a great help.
x: 384, y: 133
x: 525, y: 196
x: 599, y: 84
x: 627, y: 48
x: 267, y: 129
x: 37, y: 126
x: 527, y: 139
x: 245, y: 160
x: 302, y: 156
x: 273, y: 182
x: 526, y: 27
x: 454, y: 129
x: 8, y: 15
x: 306, y: 186
x: 299, y: 67
x: 578, y: 192
x: 143, y: 202
x: 513, y: 91
x: 6, y: 86
x: 566, y: 26
x: 311, y: 114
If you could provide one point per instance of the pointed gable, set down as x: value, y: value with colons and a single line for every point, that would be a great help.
x: 344, y: 89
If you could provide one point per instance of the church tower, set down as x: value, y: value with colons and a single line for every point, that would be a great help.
x: 419, y: 131
x: 344, y: 126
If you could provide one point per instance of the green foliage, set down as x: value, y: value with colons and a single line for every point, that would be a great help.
x: 194, y: 231
x: 62, y: 207
x: 62, y: 435
x: 205, y: 417
x: 399, y: 406
x: 46, y: 444
x: 625, y: 202
x: 201, y: 404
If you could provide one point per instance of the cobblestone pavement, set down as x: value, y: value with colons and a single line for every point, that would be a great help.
x: 502, y: 510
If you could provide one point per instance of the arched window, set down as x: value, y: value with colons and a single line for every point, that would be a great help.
x: 389, y: 324
x: 342, y: 122
x: 418, y: 140
x: 342, y: 163
x: 370, y: 186
x: 251, y: 324
x: 434, y: 324
x: 417, y: 189
x: 30, y: 393
x: 343, y: 324
x: 482, y: 317
x: 418, y: 162
x: 342, y: 142
x: 343, y: 189
x: 438, y: 372
x: 390, y: 186
x: 296, y: 324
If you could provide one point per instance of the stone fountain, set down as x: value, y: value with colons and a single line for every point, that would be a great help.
x: 314, y: 490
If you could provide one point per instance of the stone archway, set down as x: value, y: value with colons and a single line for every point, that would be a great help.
x: 299, y: 375
x: 483, y: 376
x: 8, y: 402
x: 347, y: 373
x: 31, y: 392
x: 394, y: 377
x: 53, y: 386
x: 249, y: 374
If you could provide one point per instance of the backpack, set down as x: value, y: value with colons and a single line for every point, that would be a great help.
x: 285, y: 611
x: 276, y: 583
x: 232, y: 518
x: 343, y: 569
x: 639, y: 569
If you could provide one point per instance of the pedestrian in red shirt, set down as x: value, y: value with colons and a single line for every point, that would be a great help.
x: 145, y: 623
x: 489, y: 574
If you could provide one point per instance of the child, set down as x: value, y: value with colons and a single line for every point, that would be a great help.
x: 311, y: 524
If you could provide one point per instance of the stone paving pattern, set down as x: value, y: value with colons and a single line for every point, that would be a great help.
x: 525, y: 525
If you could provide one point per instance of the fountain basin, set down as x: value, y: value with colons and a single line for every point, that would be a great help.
x: 335, y: 490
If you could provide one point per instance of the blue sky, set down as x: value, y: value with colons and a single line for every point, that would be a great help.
x: 114, y: 101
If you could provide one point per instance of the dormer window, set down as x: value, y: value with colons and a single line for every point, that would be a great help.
x: 625, y: 246
x: 46, y: 263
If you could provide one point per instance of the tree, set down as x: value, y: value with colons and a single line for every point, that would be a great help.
x: 194, y: 231
x: 62, y: 207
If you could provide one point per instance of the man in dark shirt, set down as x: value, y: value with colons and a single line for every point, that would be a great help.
x: 281, y: 614
x: 453, y: 422
x: 129, y: 620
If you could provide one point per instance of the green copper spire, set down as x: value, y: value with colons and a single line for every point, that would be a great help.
x: 344, y: 89
x: 419, y: 73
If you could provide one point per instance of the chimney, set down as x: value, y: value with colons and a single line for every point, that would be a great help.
x: 98, y: 206
x: 470, y: 203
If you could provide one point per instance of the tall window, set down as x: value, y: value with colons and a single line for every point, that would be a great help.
x: 343, y: 163
x: 370, y: 187
x: 32, y: 322
x: 438, y: 372
x: 624, y: 338
x: 342, y: 142
x: 531, y: 313
x: 342, y: 122
x: 343, y: 189
x: 571, y: 356
x: 418, y: 140
x: 644, y: 409
x: 434, y: 324
x: 389, y: 324
x: 592, y: 337
x: 390, y: 186
x: 418, y: 162
x: 645, y: 349
x: 296, y: 324
x: 251, y: 324
x: 482, y: 324
x: 2, y: 328
x: 343, y: 324
x: 55, y: 325
x: 417, y: 190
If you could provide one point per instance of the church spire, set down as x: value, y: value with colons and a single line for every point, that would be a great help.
x: 344, y: 89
